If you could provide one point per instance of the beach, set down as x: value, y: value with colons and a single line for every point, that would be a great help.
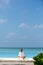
x: 16, y: 61
x: 21, y: 32
x: 9, y: 56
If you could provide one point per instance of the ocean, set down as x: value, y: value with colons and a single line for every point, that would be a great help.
x: 13, y: 52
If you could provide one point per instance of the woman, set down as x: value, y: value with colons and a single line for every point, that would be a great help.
x: 21, y: 54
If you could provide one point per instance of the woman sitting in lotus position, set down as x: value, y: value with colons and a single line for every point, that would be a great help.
x: 21, y: 54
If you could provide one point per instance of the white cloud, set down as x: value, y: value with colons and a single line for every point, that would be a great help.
x: 38, y: 26
x: 13, y: 35
x: 10, y: 35
x: 4, y: 3
x: 23, y: 25
x: 2, y: 21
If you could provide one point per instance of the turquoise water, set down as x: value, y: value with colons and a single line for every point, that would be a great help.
x: 13, y: 52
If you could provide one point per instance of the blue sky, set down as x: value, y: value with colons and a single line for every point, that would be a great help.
x: 21, y: 23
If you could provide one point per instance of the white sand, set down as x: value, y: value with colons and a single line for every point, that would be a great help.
x: 15, y: 61
x: 26, y: 59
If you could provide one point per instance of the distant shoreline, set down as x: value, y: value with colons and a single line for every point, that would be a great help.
x: 21, y: 47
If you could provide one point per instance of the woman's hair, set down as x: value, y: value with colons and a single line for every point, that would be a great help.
x: 21, y: 50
